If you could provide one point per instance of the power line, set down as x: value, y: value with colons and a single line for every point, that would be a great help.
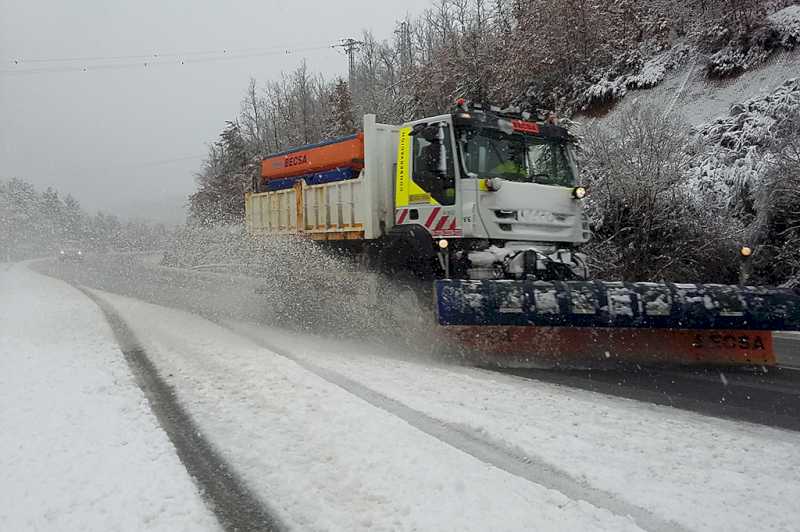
x: 153, y: 60
x: 152, y: 55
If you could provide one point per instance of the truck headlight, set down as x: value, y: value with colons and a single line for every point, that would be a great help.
x: 579, y: 193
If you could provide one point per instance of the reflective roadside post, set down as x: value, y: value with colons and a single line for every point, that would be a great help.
x: 745, y: 265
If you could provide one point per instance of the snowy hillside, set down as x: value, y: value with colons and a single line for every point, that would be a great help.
x: 688, y: 92
x: 734, y: 167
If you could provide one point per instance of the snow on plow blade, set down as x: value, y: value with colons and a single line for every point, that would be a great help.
x: 513, y: 322
x: 615, y: 304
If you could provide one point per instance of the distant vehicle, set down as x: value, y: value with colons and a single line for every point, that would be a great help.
x: 70, y: 252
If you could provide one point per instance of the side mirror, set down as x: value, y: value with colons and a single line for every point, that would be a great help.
x: 417, y: 129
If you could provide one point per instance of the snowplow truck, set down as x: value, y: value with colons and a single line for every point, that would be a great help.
x: 484, y: 206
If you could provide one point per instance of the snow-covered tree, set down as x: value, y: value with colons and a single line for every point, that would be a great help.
x: 340, y: 120
x: 34, y: 223
x: 647, y: 224
x: 226, y: 174
x: 775, y: 232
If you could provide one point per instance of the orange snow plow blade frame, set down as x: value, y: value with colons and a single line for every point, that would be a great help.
x: 516, y: 346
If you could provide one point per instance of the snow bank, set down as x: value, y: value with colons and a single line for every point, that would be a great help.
x: 79, y: 446
x: 703, y: 472
x: 327, y: 460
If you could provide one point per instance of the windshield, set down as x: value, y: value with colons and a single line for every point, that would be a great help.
x: 517, y: 157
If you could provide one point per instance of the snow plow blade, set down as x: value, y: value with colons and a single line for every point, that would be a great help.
x: 516, y: 346
x: 517, y: 323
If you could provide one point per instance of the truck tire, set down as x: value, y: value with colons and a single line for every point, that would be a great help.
x: 406, y: 288
x: 408, y: 253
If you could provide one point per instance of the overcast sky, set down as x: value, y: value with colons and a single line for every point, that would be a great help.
x: 104, y: 135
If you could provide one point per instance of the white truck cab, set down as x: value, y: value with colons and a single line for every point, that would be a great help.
x: 491, y: 180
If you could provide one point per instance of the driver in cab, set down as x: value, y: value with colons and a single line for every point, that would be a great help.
x: 513, y: 164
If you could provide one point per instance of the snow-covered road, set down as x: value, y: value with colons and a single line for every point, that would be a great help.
x: 337, y: 435
x: 700, y: 471
x: 79, y: 447
x: 326, y: 459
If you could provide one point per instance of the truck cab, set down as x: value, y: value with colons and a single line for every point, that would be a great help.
x: 481, y: 180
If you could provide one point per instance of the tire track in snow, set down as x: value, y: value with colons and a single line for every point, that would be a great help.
x: 234, y: 505
x: 471, y: 442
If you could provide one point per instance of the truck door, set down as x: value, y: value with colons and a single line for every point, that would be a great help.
x: 425, y: 187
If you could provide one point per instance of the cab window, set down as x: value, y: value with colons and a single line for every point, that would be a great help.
x: 433, y: 167
x: 516, y: 157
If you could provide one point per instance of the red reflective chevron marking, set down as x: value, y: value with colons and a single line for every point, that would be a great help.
x: 442, y: 221
x: 402, y: 217
x: 452, y: 226
x: 432, y: 217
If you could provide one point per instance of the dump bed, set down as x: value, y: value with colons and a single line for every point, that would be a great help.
x: 346, y: 209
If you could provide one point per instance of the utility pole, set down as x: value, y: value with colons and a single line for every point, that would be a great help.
x: 405, y: 45
x: 350, y: 47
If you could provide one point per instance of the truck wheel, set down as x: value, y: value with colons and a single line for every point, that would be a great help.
x: 404, y: 300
